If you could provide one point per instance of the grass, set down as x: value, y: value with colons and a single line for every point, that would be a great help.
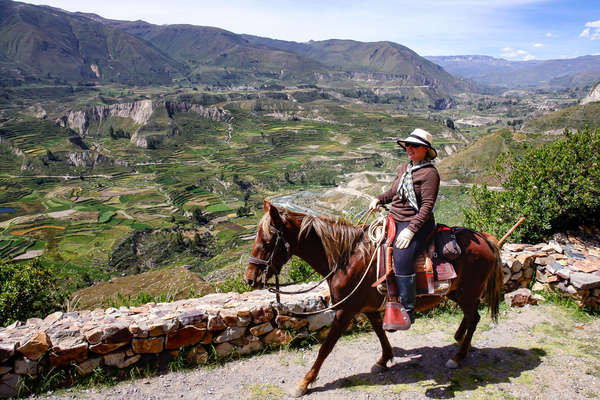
x: 568, y: 305
x: 268, y: 391
x: 106, y: 216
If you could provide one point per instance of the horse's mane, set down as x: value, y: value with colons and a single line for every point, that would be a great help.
x: 339, y: 237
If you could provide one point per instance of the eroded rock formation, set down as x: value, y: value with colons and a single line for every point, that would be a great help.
x: 79, y: 121
x: 593, y: 96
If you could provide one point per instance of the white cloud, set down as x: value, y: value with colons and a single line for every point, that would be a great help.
x: 591, y: 31
x: 549, y: 34
x: 509, y: 52
x: 538, y: 45
x: 585, y: 33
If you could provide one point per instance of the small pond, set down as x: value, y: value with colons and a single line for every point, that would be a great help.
x: 7, y: 210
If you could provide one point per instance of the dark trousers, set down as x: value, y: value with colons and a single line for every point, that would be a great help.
x: 404, y: 259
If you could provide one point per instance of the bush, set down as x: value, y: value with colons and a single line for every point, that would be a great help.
x: 299, y: 271
x: 555, y: 187
x: 27, y: 290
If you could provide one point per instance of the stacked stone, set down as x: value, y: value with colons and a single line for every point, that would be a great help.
x: 567, y: 264
x: 233, y: 323
x: 518, y: 263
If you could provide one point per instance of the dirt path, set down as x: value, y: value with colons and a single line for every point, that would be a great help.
x: 540, y: 352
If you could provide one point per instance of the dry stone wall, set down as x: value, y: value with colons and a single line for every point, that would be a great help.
x: 240, y: 324
x: 568, y: 264
x: 231, y: 323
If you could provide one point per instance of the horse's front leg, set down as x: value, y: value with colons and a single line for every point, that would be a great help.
x: 387, y: 353
x: 339, y: 325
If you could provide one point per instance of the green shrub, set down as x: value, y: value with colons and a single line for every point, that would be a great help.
x: 27, y: 290
x: 555, y: 187
x: 299, y: 271
x: 234, y: 283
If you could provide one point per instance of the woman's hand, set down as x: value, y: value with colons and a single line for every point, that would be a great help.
x: 374, y: 204
x: 404, y: 238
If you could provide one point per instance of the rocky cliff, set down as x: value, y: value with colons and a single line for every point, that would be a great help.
x: 89, y: 159
x: 79, y: 121
x: 211, y: 112
x: 593, y: 96
x: 139, y: 111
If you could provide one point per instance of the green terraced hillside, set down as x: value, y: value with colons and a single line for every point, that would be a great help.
x: 576, y: 117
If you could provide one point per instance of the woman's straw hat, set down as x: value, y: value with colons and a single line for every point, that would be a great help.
x: 422, y: 137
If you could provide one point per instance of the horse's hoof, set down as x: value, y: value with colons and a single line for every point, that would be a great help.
x: 451, y: 364
x: 377, y: 368
x: 299, y: 391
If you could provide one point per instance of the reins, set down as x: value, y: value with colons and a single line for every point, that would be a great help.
x: 374, y: 238
x: 345, y: 298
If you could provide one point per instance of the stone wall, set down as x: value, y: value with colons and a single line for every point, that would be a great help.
x: 568, y: 264
x: 84, y: 340
x: 239, y: 324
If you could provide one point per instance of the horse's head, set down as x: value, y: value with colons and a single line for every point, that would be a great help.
x: 273, y: 246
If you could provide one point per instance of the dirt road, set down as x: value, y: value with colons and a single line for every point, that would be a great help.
x: 540, y: 352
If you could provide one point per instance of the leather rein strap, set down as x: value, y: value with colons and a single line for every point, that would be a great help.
x: 269, y: 264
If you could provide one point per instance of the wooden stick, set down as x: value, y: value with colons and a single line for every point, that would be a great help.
x: 515, y: 226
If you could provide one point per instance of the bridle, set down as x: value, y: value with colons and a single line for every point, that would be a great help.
x: 279, y: 241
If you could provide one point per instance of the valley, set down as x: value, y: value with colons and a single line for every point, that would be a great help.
x: 132, y: 153
x: 119, y: 181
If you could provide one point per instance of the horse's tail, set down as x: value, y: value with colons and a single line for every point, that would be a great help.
x: 495, y: 280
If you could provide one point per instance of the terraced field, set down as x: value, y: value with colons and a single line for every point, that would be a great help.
x: 194, y: 199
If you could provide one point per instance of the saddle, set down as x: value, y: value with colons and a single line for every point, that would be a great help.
x: 433, y: 272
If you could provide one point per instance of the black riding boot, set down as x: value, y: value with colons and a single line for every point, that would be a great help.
x: 408, y: 293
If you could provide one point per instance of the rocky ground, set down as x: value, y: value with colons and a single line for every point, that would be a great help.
x: 536, y: 352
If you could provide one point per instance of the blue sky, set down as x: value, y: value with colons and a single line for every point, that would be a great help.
x: 511, y: 29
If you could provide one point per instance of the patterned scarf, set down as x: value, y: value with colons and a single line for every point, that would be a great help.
x: 406, y: 187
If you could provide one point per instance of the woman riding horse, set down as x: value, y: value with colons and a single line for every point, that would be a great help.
x: 412, y: 194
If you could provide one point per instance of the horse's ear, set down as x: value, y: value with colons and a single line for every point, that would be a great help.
x: 275, y: 216
x: 266, y: 205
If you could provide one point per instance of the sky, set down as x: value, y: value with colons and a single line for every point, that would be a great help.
x: 510, y: 29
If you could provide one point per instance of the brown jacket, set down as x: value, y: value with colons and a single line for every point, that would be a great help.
x: 426, y: 182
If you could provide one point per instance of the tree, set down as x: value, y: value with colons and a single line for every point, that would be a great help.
x: 555, y: 186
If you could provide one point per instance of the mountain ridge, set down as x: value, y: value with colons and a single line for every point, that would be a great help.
x: 493, y: 71
x: 76, y: 46
x: 60, y: 45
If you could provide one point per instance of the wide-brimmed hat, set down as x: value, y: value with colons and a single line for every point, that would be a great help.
x: 422, y: 137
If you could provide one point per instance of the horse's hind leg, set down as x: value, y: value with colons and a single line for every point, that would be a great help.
x: 465, y: 331
x: 462, y: 328
x: 339, y: 325
x: 386, y: 349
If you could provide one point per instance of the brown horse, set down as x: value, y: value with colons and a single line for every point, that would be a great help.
x: 326, y: 244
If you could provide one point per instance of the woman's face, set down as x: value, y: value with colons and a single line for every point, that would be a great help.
x: 415, y: 152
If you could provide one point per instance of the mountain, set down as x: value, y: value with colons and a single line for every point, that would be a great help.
x: 381, y: 59
x: 41, y: 42
x: 521, y: 74
x: 49, y: 43
x: 204, y: 48
x: 212, y: 50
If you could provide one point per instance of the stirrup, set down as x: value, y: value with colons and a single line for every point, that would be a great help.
x: 382, y: 288
x: 396, y: 317
x: 441, y: 287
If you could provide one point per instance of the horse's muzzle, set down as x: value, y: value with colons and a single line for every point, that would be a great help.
x: 255, y: 284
